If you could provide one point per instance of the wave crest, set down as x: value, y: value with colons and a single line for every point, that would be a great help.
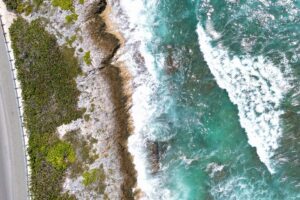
x: 257, y: 87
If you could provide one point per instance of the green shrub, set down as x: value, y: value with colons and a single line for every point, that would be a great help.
x: 71, y: 18
x: 61, y: 155
x: 71, y: 40
x: 92, y: 107
x: 24, y: 8
x: 89, y: 177
x: 95, y: 180
x: 20, y: 9
x: 81, y: 1
x: 12, y: 4
x: 47, y: 74
x: 84, y: 152
x: 28, y: 10
x: 63, y: 4
x: 86, y: 117
x: 87, y: 58
x: 37, y: 3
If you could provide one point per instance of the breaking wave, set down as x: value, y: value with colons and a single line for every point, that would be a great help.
x: 256, y: 86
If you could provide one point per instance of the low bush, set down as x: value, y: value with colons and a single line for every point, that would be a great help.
x: 12, y: 4
x: 47, y: 74
x: 85, y: 154
x: 95, y: 180
x: 25, y: 8
x: 71, y: 18
x: 71, y: 40
x: 38, y: 3
x: 61, y: 155
x: 87, y: 58
x: 86, y: 117
x: 63, y: 4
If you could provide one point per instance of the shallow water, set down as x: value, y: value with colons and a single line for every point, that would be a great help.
x: 218, y: 91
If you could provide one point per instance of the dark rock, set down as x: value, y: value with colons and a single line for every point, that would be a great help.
x: 156, y: 150
x: 153, y: 155
x: 171, y: 65
x: 107, y: 42
x: 96, y: 8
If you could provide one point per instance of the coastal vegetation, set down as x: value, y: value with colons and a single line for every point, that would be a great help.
x: 61, y: 155
x: 20, y: 6
x: 85, y: 154
x: 87, y: 58
x: 37, y: 3
x: 86, y: 117
x: 25, y: 8
x: 71, y: 18
x: 12, y: 4
x: 71, y: 40
x: 63, y: 4
x: 94, y: 179
x: 47, y: 74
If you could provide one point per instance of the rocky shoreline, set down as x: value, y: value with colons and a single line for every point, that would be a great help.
x: 118, y: 80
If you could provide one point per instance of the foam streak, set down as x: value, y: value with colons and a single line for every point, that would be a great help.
x: 257, y: 87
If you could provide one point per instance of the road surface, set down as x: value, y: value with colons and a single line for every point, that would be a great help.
x: 13, y: 181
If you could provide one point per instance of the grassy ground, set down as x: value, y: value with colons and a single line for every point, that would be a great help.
x: 47, y: 73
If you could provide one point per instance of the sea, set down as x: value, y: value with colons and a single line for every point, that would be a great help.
x: 216, y: 94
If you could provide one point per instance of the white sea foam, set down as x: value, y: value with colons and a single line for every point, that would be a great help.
x: 256, y: 86
x: 239, y: 187
x: 214, y: 168
x: 134, y: 19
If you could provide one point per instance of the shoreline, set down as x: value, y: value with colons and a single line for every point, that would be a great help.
x: 118, y: 79
x: 111, y: 27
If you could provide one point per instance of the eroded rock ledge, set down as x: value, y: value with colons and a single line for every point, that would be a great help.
x: 117, y: 79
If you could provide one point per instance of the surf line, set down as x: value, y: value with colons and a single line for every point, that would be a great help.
x: 255, y: 86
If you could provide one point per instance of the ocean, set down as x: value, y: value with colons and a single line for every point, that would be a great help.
x: 216, y: 94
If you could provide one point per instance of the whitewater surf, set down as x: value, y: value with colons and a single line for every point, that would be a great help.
x: 216, y: 97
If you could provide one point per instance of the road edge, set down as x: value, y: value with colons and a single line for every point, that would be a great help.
x: 18, y: 92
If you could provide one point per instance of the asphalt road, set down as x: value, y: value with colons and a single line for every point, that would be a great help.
x: 13, y: 182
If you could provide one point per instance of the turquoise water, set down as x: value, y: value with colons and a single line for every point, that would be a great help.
x: 205, y: 116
